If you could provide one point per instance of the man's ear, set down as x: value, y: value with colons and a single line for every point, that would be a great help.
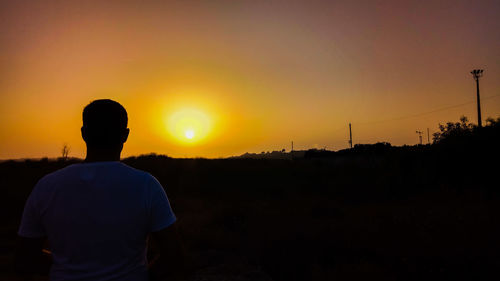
x: 125, y: 135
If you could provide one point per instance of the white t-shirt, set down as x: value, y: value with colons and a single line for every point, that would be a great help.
x: 97, y: 217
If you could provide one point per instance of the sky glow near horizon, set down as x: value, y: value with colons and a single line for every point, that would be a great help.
x: 243, y: 76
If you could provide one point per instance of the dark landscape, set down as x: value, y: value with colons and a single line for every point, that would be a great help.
x: 374, y: 212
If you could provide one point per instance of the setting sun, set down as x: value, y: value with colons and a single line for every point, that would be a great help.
x: 189, y: 125
x: 189, y: 134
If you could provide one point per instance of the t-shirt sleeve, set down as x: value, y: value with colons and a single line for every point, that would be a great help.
x: 31, y: 224
x: 162, y: 215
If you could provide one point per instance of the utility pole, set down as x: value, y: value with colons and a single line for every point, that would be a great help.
x: 476, y: 73
x: 350, y: 135
x: 420, y: 136
x: 292, y: 146
x: 428, y: 137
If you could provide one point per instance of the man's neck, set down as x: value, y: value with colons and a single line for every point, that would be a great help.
x: 99, y: 155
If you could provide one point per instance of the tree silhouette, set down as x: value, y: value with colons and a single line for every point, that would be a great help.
x: 493, y: 122
x: 454, y: 130
x: 65, y: 151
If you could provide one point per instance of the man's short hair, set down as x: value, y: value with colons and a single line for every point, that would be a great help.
x: 104, y: 122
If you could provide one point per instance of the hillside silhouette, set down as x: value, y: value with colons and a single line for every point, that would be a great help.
x: 424, y: 212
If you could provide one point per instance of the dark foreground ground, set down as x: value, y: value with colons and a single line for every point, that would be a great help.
x: 415, y: 213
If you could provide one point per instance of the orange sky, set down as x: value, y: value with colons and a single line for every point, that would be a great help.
x: 264, y: 72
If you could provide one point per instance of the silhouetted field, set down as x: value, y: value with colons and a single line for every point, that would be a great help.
x: 404, y: 213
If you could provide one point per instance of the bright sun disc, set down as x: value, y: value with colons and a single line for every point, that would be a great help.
x: 189, y: 134
x: 189, y: 125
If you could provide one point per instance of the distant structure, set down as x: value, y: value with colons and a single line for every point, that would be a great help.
x: 419, y: 136
x: 350, y: 135
x: 428, y: 137
x: 477, y: 73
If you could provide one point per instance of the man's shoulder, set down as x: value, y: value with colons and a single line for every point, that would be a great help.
x: 145, y: 176
x: 136, y: 177
x: 51, y: 177
x: 135, y: 172
x: 141, y: 175
x: 81, y: 170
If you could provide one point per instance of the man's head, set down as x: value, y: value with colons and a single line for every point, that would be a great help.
x: 105, y: 125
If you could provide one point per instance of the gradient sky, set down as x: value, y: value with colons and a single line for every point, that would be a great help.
x: 264, y: 72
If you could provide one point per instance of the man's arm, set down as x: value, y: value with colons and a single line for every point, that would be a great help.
x: 29, y: 258
x: 170, y: 262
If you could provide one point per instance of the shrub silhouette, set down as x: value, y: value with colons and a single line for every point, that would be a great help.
x: 465, y: 135
x: 451, y: 131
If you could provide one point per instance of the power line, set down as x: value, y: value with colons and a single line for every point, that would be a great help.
x: 423, y: 113
x: 414, y: 115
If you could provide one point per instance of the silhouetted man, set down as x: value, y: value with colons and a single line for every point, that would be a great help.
x: 97, y: 215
